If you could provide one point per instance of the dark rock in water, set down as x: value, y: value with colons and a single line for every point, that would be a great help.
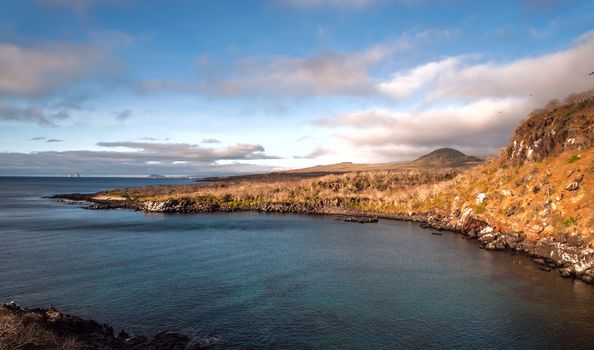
x: 539, y: 261
x: 565, y: 272
x: 169, y: 341
x: 123, y: 335
x: 359, y: 219
x: 136, y: 342
x: 490, y: 246
x: 206, y: 343
x: 499, y: 245
x: 544, y: 268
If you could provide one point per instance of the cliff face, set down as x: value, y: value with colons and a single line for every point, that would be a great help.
x: 554, y: 129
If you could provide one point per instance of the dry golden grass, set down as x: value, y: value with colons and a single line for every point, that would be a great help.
x: 23, y: 332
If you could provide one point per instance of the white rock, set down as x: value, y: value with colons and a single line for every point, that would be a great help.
x: 481, y: 197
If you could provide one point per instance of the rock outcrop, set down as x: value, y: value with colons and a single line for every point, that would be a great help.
x: 22, y: 328
x: 554, y: 129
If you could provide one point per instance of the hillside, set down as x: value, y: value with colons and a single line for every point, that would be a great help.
x: 441, y: 158
x: 445, y: 157
x: 534, y: 198
x: 347, y: 167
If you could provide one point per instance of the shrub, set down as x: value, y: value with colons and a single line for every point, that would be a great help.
x: 573, y: 158
x: 568, y: 222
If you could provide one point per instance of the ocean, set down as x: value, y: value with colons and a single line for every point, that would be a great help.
x: 268, y: 281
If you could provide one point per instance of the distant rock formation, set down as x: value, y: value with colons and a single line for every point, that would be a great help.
x: 444, y: 157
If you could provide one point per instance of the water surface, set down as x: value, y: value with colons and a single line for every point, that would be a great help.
x: 278, y: 281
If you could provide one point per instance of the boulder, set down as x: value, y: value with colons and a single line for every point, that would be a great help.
x: 499, y: 245
x: 539, y: 261
x: 481, y: 197
x: 487, y: 238
x: 573, y: 186
x: 565, y: 272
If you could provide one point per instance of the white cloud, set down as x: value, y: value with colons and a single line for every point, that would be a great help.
x: 185, y: 152
x: 211, y: 140
x: 138, y: 158
x: 26, y: 71
x: 539, y: 78
x: 463, y: 104
x: 480, y: 126
x: 404, y: 84
x: 316, y: 153
x: 330, y: 73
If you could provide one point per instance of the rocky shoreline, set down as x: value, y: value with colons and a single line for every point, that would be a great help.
x: 570, y: 255
x: 23, y: 328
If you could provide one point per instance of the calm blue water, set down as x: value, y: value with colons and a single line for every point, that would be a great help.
x: 277, y: 281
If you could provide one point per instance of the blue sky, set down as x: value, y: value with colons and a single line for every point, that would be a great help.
x: 106, y: 87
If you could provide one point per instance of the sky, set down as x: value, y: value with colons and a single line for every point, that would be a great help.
x: 117, y: 87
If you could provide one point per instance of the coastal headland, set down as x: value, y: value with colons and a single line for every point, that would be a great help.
x: 535, y: 197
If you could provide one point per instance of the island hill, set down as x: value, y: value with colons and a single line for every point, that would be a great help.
x: 440, y: 158
x: 535, y: 197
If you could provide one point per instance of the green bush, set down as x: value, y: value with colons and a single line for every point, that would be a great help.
x: 573, y: 158
x: 569, y: 221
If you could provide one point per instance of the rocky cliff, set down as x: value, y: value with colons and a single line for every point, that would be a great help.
x: 554, y: 129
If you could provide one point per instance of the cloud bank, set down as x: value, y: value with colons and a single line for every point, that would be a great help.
x: 28, y: 71
x: 464, y: 103
x: 330, y: 73
x: 137, y: 158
